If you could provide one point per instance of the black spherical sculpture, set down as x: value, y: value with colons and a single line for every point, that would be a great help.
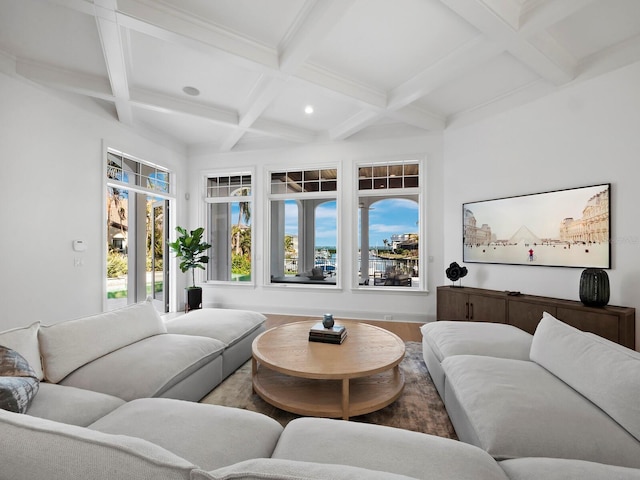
x: 594, y: 287
x: 456, y: 272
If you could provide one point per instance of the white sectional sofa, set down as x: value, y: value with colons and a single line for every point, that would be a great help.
x: 558, y: 398
x: 92, y: 365
x: 80, y: 429
x: 172, y: 439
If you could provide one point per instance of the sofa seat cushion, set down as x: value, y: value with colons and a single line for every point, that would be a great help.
x: 563, y: 469
x: 18, y: 382
x: 146, y: 368
x: 385, y: 449
x: 71, y: 405
x: 210, y: 436
x: 276, y: 469
x: 514, y: 408
x: 35, y: 448
x: 69, y: 345
x: 228, y: 326
x: 447, y: 338
x: 24, y: 340
x: 606, y: 373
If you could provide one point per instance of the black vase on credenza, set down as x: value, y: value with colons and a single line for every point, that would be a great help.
x: 594, y: 287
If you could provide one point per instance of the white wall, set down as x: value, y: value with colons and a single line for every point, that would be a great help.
x: 51, y: 158
x: 346, y: 302
x: 52, y: 193
x: 585, y: 134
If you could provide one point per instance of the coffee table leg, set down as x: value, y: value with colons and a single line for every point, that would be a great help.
x: 345, y: 399
x: 254, y: 371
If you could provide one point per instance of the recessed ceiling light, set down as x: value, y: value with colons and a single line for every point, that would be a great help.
x: 308, y: 110
x: 193, y: 91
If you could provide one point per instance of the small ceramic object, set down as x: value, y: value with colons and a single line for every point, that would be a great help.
x: 327, y: 320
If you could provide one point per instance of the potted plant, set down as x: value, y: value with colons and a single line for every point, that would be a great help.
x: 190, y: 249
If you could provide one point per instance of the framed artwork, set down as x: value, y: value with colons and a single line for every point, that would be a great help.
x: 563, y: 228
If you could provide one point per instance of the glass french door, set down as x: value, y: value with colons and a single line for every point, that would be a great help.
x: 137, y: 233
x: 158, y: 235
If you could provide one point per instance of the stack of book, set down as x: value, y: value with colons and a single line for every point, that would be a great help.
x: 335, y: 334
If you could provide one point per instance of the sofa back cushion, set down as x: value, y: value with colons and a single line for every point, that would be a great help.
x: 606, y: 373
x: 69, y: 345
x: 278, y: 469
x: 24, y: 340
x: 36, y: 448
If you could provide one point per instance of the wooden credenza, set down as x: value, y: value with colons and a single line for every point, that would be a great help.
x: 617, y: 324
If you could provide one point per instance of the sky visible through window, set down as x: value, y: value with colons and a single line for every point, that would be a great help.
x: 387, y: 217
x: 392, y: 216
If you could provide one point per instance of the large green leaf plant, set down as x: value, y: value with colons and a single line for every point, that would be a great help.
x: 190, y: 248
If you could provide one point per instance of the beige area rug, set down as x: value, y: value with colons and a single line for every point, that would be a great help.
x: 419, y: 408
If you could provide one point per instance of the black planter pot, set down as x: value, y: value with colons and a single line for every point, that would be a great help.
x: 594, y: 287
x: 192, y: 298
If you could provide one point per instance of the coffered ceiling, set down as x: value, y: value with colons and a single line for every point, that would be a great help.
x: 367, y: 67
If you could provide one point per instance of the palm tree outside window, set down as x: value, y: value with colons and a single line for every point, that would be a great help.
x: 229, y: 208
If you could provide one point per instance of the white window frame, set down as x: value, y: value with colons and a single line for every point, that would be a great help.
x: 207, y: 201
x: 420, y: 191
x: 333, y: 195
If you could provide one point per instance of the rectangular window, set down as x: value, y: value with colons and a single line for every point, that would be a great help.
x: 304, y: 227
x: 229, y: 201
x: 127, y: 171
x: 389, y: 217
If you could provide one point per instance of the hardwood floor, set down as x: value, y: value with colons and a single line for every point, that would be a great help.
x: 407, y: 331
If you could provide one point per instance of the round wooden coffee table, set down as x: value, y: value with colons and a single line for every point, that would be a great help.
x: 326, y: 380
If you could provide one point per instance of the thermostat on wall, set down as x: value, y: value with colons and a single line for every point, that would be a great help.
x: 79, y: 246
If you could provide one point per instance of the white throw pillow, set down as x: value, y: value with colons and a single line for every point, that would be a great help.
x: 24, y: 340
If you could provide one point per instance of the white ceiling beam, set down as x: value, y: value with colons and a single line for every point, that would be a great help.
x: 214, y: 41
x: 264, y: 92
x: 171, y: 26
x: 310, y: 30
x: 547, y: 14
x: 175, y: 27
x: 418, y: 117
x: 508, y: 101
x: 343, y: 88
x: 410, y: 115
x: 280, y: 130
x: 114, y: 56
x: 465, y: 58
x: 354, y: 124
x: 554, y: 65
x: 509, y: 11
x: 617, y: 56
x: 231, y: 140
x: 73, y: 82
x: 166, y: 104
x: 83, y: 6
